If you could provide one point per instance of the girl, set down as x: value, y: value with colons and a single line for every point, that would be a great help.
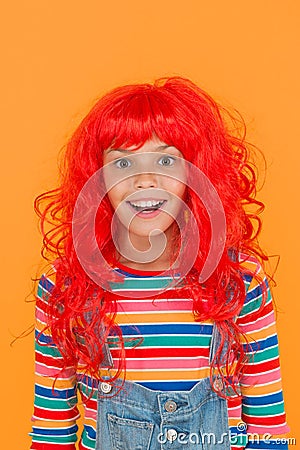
x: 155, y: 310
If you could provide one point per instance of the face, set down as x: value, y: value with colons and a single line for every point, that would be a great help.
x: 145, y: 186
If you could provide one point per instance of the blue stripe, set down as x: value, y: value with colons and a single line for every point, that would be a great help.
x: 87, y: 381
x: 46, y: 284
x: 247, y: 278
x: 55, y: 431
x: 262, y: 345
x: 192, y: 328
x: 55, y: 393
x: 134, y: 275
x: 266, y: 445
x: 263, y: 400
x: 168, y: 385
x: 254, y: 293
x: 257, y: 292
x: 236, y: 432
x: 43, y: 339
x: 90, y: 431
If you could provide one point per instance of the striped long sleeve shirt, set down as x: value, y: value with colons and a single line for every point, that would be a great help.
x: 173, y: 354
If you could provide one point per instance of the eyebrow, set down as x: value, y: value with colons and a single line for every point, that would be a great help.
x: 124, y: 150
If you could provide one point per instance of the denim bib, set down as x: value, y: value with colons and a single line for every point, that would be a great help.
x: 133, y: 417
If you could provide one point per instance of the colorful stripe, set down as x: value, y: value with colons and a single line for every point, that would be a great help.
x: 170, y: 352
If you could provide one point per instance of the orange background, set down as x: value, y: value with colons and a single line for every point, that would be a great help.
x: 58, y: 56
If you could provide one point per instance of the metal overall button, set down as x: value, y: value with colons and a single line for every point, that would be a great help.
x: 105, y: 387
x: 170, y: 406
x: 171, y: 435
x: 218, y: 384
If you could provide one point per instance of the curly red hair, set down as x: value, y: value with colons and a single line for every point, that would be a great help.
x: 182, y: 115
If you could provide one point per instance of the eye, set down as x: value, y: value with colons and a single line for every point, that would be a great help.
x: 166, y: 161
x: 123, y: 163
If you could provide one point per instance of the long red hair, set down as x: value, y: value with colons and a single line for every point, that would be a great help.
x: 182, y: 115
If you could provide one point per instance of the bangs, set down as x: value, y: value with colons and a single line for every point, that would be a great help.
x: 132, y: 115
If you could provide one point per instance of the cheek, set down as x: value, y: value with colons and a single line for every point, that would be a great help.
x: 114, y: 197
x: 177, y: 188
x: 117, y: 194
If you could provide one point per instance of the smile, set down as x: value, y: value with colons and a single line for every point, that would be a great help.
x: 146, y: 205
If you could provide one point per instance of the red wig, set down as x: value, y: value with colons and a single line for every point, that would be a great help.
x: 182, y: 115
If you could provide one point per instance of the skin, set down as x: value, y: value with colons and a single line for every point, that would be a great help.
x: 133, y: 177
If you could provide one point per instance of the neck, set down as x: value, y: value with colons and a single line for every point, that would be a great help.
x: 143, y: 253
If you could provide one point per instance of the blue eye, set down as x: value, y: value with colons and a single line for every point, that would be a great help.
x: 123, y: 163
x: 166, y: 161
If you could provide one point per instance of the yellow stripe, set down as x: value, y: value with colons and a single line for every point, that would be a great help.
x: 52, y: 424
x: 167, y: 317
x: 251, y: 265
x: 233, y: 422
x: 262, y: 390
x: 161, y: 375
x: 90, y: 422
x: 59, y: 384
x: 40, y: 327
x: 261, y: 334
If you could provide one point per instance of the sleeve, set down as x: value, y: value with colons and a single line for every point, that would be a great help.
x: 262, y: 397
x: 55, y: 404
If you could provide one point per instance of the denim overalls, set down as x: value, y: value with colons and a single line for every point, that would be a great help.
x: 138, y: 418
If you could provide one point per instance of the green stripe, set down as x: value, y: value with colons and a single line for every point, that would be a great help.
x: 51, y: 403
x: 270, y: 410
x: 140, y: 285
x: 55, y: 439
x: 254, y: 304
x: 87, y: 441
x: 87, y: 390
x: 264, y: 355
x: 47, y: 350
x: 238, y: 440
x: 41, y: 293
x: 174, y: 341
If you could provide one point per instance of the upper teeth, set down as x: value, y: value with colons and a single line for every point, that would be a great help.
x: 144, y: 204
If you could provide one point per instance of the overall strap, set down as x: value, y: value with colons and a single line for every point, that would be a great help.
x: 215, y: 344
x: 232, y: 388
x: 107, y: 361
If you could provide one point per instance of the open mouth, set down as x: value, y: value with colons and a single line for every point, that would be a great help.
x: 147, y: 206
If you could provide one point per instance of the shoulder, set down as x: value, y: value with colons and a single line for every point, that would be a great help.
x: 46, y: 284
x: 43, y: 292
x: 251, y: 267
x: 257, y: 288
x: 252, y: 271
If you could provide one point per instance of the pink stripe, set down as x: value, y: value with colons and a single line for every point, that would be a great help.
x: 280, y: 429
x: 91, y: 413
x: 264, y: 378
x: 158, y: 305
x: 259, y: 324
x: 145, y: 293
x: 42, y: 370
x: 40, y: 315
x: 235, y: 413
x: 195, y: 363
x: 248, y: 258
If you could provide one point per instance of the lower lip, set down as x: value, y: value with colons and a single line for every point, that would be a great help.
x: 146, y: 215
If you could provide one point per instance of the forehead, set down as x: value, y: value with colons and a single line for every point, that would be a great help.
x: 153, y: 145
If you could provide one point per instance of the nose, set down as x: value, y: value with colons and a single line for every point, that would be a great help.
x: 145, y: 180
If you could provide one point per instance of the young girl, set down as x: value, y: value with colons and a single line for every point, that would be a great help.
x: 155, y: 312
